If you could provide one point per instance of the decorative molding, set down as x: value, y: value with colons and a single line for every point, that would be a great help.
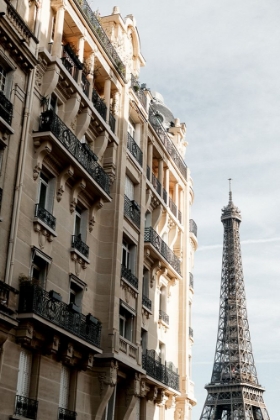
x: 42, y: 150
x: 96, y: 206
x: 109, y: 377
x: 61, y: 182
x: 78, y: 187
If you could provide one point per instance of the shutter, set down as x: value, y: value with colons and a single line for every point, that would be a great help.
x: 129, y: 188
x: 64, y: 387
x: 24, y: 374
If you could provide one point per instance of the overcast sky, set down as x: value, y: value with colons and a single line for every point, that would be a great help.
x: 217, y: 65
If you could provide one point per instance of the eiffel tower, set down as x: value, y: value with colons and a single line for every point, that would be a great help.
x: 234, y: 392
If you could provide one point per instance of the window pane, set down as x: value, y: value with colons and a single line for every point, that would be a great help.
x: 43, y: 195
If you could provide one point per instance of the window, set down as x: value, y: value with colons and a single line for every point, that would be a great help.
x: 162, y: 299
x: 53, y: 103
x: 131, y: 128
x: 46, y: 192
x: 126, y: 326
x: 125, y: 254
x: 144, y: 341
x: 109, y: 413
x: 80, y: 218
x: 146, y: 282
x: 3, y: 77
x: 76, y: 291
x: 162, y: 352
x: 129, y: 188
x: 39, y: 267
x: 24, y: 373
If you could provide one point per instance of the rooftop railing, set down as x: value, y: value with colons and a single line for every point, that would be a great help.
x: 45, y: 216
x: 127, y: 275
x: 49, y: 121
x: 170, y: 147
x: 139, y: 91
x: 6, y: 108
x: 101, y: 35
x: 159, y: 244
x: 134, y: 149
x: 132, y: 211
x: 193, y: 227
x: 161, y: 372
x: 34, y: 299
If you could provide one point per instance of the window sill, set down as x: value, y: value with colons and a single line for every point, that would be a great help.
x: 43, y: 229
x: 75, y: 254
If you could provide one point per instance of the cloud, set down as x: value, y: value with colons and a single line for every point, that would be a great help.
x: 246, y: 242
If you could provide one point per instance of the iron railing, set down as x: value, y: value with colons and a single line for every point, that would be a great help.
x: 64, y: 414
x: 170, y: 147
x: 85, y: 84
x: 164, y: 195
x: 173, y: 207
x: 164, y: 317
x: 152, y: 237
x: 127, y: 275
x: 134, y: 149
x: 34, y: 299
x: 101, y: 35
x: 49, y: 121
x: 179, y: 216
x: 193, y: 227
x: 112, y: 122
x: 26, y: 407
x: 132, y: 211
x: 190, y: 332
x: 79, y: 245
x: 156, y: 184
x: 71, y: 61
x: 147, y: 302
x: 148, y: 173
x: 160, y: 372
x: 139, y: 91
x: 99, y: 104
x: 191, y: 280
x: 19, y: 23
x: 7, y: 298
x: 6, y: 108
x: 45, y: 216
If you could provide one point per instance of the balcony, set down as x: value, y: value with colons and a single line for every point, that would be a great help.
x: 129, y: 277
x: 193, y: 227
x: 148, y: 173
x: 156, y: 184
x: 173, y: 207
x: 101, y: 35
x: 191, y: 280
x: 19, y: 23
x: 147, y: 302
x: 170, y: 147
x: 139, y: 91
x: 112, y: 122
x: 78, y: 245
x: 180, y: 216
x: 64, y: 414
x: 6, y: 109
x: 160, y: 246
x: 134, y: 149
x: 34, y: 299
x: 159, y: 371
x: 26, y: 407
x: 49, y: 121
x: 71, y: 62
x: 99, y: 104
x: 132, y: 211
x: 164, y: 195
x: 163, y: 317
x: 85, y: 84
x: 8, y: 304
x: 45, y: 216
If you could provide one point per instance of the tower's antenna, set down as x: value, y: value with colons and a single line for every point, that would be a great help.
x: 230, y: 192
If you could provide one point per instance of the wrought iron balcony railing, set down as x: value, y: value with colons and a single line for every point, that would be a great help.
x: 179, y: 216
x: 164, y: 317
x: 99, y: 104
x: 132, y: 211
x: 193, y: 227
x: 190, y: 332
x: 160, y: 372
x: 49, y: 121
x: 34, y: 299
x: 64, y: 414
x: 152, y: 237
x: 112, y: 122
x: 146, y: 302
x: 148, y: 173
x: 6, y: 108
x: 19, y: 23
x: 139, y: 91
x: 127, y: 275
x: 85, y: 84
x: 191, y: 280
x: 45, y: 216
x: 156, y: 184
x: 79, y: 245
x: 164, y: 195
x: 71, y: 61
x: 26, y: 407
x: 170, y: 147
x: 173, y: 207
x: 8, y: 303
x: 134, y: 149
x: 101, y: 35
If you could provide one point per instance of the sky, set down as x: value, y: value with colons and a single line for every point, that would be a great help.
x: 217, y: 65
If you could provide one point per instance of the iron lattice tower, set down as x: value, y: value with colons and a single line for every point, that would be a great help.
x: 234, y: 392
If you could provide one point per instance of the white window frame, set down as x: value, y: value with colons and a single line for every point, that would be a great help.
x: 49, y: 183
x: 81, y: 214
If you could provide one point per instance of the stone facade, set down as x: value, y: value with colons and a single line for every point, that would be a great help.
x: 96, y: 241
